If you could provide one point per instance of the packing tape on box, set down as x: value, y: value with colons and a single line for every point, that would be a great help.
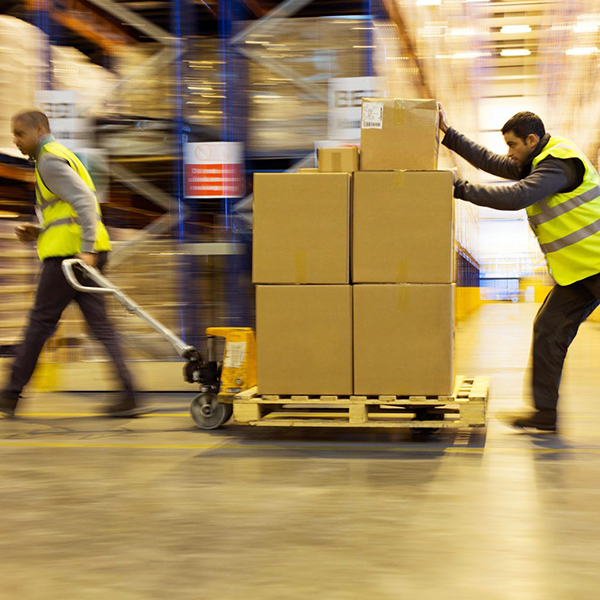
x: 336, y: 161
x: 300, y: 259
x: 399, y: 112
x: 402, y: 271
x: 398, y: 179
x: 403, y: 299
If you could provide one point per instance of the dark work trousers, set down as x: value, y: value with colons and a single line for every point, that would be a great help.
x: 554, y: 328
x: 53, y: 295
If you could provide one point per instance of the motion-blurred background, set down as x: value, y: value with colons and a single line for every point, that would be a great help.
x: 175, y: 104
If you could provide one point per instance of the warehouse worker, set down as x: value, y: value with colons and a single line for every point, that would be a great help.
x: 70, y: 226
x: 560, y: 189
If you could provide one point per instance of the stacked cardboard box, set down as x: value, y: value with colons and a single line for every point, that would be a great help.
x: 403, y: 253
x: 371, y: 312
x: 301, y: 264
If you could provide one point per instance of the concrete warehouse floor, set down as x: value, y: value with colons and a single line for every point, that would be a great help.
x: 154, y: 508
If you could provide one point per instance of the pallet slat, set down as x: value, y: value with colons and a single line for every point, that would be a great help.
x: 467, y: 406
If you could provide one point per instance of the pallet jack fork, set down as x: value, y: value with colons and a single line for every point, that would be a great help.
x: 219, y: 381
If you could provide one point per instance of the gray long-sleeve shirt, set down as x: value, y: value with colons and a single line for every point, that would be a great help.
x: 63, y: 181
x: 552, y: 175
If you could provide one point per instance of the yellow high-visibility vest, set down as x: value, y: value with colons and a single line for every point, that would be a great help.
x: 567, y: 225
x: 61, y: 233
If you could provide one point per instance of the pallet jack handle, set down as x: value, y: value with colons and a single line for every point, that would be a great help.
x: 106, y: 287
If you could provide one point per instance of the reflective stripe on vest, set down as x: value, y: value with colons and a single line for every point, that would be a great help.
x: 65, y: 221
x: 564, y: 207
x: 61, y: 232
x: 572, y: 238
x: 567, y: 224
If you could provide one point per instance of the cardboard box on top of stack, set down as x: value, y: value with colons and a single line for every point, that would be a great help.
x: 403, y: 254
x: 344, y: 159
x: 304, y: 300
x: 399, y: 134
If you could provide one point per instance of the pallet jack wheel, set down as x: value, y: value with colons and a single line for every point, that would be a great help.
x: 425, y: 432
x: 208, y: 413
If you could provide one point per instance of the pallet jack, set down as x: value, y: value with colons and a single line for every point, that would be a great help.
x: 219, y: 381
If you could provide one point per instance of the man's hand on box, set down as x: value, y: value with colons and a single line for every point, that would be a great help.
x: 444, y: 124
x: 455, y: 175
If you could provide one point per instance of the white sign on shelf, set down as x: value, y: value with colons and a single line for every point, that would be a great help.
x: 214, y: 170
x: 345, y: 97
x: 60, y: 106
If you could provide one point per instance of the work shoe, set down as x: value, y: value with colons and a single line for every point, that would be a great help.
x: 540, y: 420
x: 124, y: 406
x: 8, y: 404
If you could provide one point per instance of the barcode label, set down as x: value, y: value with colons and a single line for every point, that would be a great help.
x: 372, y: 115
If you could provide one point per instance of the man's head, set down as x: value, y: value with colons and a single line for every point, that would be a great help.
x: 522, y: 133
x: 28, y: 126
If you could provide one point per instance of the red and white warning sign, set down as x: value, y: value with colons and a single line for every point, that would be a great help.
x: 214, y: 170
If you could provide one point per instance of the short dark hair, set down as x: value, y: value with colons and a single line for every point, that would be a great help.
x: 524, y: 124
x: 33, y: 118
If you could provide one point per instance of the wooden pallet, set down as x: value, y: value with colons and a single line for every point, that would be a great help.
x: 466, y: 407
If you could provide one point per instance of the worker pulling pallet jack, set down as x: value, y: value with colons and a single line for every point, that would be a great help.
x: 70, y: 225
x: 71, y: 234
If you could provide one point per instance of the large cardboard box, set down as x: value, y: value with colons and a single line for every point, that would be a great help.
x: 304, y: 339
x: 399, y: 134
x: 301, y: 228
x: 338, y: 160
x: 403, y: 339
x: 403, y: 227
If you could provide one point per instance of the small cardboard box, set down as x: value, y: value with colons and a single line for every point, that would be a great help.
x: 399, y: 134
x: 338, y: 160
x: 301, y: 228
x: 403, y: 227
x: 404, y: 339
x: 304, y: 339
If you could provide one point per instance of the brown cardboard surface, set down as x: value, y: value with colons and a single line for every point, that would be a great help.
x: 338, y: 160
x: 404, y: 339
x: 403, y: 227
x: 308, y: 170
x: 399, y: 134
x: 304, y: 339
x: 301, y: 228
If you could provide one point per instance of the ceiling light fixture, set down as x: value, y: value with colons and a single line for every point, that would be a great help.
x: 582, y: 51
x: 515, y: 52
x: 516, y: 29
x: 429, y: 2
x: 585, y: 27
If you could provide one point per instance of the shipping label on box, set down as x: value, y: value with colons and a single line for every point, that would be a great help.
x: 398, y: 134
x: 372, y: 115
x: 403, y: 227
